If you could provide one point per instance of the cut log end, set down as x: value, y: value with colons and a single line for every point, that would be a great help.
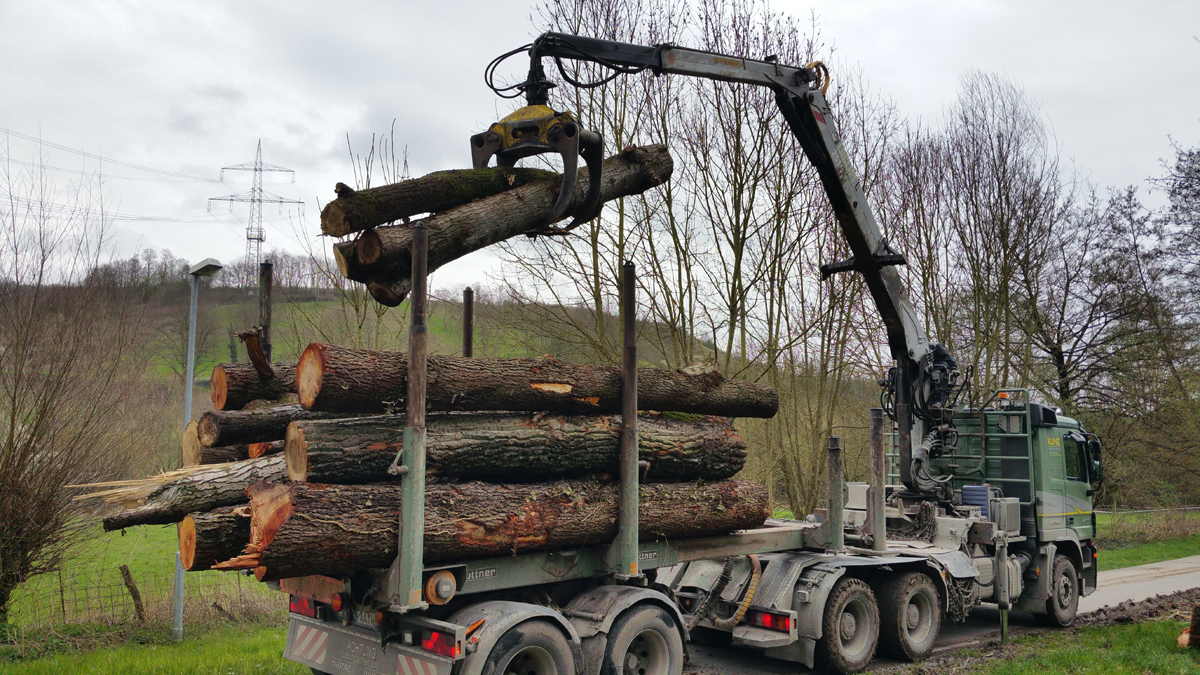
x: 342, y: 253
x: 388, y: 294
x: 257, y: 450
x: 191, y: 447
x: 296, y: 453
x: 187, y: 542
x: 369, y: 247
x: 310, y: 373
x: 217, y: 387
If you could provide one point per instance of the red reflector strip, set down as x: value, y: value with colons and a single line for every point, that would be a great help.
x: 439, y: 643
x: 304, y: 606
x: 819, y: 116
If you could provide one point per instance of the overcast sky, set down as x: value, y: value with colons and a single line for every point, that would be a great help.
x: 186, y: 88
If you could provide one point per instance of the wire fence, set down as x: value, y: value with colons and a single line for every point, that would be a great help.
x: 103, y: 597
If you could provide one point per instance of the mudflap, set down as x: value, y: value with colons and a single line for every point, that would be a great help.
x: 353, y: 650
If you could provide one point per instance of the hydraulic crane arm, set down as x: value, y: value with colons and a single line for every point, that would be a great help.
x: 801, y: 99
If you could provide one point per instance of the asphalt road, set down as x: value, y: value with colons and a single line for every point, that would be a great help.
x: 1115, y: 586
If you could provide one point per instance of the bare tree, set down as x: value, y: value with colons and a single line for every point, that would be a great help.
x: 70, y: 380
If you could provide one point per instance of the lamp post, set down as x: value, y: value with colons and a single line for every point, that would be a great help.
x: 205, y: 268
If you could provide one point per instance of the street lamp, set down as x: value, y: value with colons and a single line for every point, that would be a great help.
x: 205, y: 268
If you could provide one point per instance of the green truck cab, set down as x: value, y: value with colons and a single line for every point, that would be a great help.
x: 1013, y: 449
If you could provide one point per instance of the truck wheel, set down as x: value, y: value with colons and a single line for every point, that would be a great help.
x: 531, y: 648
x: 910, y: 611
x: 643, y: 641
x: 1064, y: 594
x: 850, y: 627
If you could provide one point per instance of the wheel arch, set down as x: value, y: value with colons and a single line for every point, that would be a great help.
x: 500, y: 616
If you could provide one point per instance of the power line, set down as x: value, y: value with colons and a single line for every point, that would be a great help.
x: 105, y: 176
x: 113, y: 107
x: 103, y: 159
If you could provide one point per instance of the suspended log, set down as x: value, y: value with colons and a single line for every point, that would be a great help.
x: 206, y: 539
x: 354, y: 211
x: 233, y: 385
x: 204, y: 490
x: 382, y: 257
x: 304, y: 529
x: 251, y: 426
x: 514, y: 448
x: 332, y: 378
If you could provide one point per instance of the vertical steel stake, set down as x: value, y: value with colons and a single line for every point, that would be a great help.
x: 1001, y: 581
x: 624, y: 552
x: 266, y: 277
x: 837, y: 498
x: 177, y: 619
x: 468, y: 321
x: 876, y: 513
x: 411, y: 550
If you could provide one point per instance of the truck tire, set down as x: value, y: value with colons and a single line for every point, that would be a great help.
x: 1063, y: 602
x: 644, y: 640
x: 910, y: 616
x: 531, y: 648
x: 849, y: 627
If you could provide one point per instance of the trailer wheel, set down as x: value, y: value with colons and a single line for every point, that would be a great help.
x: 1063, y: 602
x: 531, y: 648
x: 850, y: 627
x: 910, y: 611
x: 643, y: 641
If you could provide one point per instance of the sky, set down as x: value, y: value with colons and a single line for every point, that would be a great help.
x: 160, y: 95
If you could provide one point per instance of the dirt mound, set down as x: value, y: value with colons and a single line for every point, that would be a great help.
x: 1158, y: 607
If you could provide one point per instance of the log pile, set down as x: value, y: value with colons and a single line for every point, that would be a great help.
x: 289, y: 476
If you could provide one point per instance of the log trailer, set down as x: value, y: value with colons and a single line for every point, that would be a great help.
x: 964, y: 506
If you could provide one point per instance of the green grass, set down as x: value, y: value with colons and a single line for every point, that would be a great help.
x: 1142, y: 554
x: 149, y: 552
x: 249, y: 650
x: 1135, y: 648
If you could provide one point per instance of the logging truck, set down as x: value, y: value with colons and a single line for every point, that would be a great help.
x: 964, y: 505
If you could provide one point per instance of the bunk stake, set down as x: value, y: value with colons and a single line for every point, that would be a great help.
x: 837, y: 498
x: 623, y: 555
x: 876, y: 515
x: 410, y: 559
x: 468, y: 322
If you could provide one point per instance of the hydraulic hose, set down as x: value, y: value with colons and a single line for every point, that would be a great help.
x: 717, y: 589
x: 726, y: 624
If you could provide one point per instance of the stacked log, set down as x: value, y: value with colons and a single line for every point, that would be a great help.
x: 521, y: 454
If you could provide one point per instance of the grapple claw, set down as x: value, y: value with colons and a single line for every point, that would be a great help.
x: 538, y: 129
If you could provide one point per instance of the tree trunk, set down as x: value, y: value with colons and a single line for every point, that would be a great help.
x: 514, y: 448
x: 354, y: 211
x: 305, y: 529
x: 383, y: 256
x: 233, y: 385
x: 200, y: 491
x: 251, y: 426
x: 206, y: 539
x: 332, y: 378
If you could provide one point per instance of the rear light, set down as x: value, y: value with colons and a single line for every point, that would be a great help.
x: 303, y: 606
x: 779, y: 622
x: 340, y: 601
x: 442, y: 644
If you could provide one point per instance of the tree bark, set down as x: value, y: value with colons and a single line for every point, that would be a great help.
x: 251, y: 426
x: 354, y: 211
x: 514, y: 448
x: 382, y: 257
x: 201, y: 491
x: 305, y: 529
x: 332, y: 378
x: 233, y: 385
x: 206, y: 539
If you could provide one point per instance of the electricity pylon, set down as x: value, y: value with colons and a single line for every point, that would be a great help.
x: 256, y: 196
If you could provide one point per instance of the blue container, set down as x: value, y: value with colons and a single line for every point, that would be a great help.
x: 977, y: 495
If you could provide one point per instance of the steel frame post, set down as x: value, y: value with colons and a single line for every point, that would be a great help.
x: 623, y: 554
x: 411, y: 549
